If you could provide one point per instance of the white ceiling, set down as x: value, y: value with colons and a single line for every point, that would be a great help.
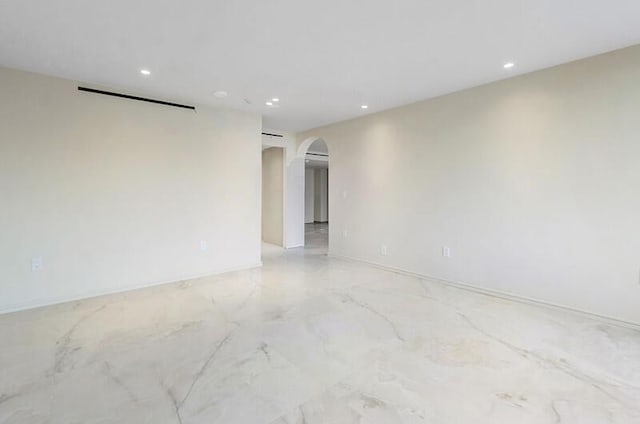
x: 323, y: 59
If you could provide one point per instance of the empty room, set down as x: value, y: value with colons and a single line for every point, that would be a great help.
x: 292, y: 212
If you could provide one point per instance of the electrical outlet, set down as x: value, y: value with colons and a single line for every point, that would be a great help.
x: 36, y: 264
x: 203, y: 245
x: 446, y: 251
x: 383, y: 250
x: 345, y: 233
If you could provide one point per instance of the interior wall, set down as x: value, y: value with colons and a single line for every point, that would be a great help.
x: 273, y: 195
x: 532, y: 182
x: 309, y: 195
x: 108, y: 194
x: 321, y: 195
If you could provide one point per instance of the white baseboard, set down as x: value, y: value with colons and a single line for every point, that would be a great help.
x: 497, y: 293
x: 96, y: 293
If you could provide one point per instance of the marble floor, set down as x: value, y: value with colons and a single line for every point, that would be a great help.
x: 316, y: 237
x: 309, y: 339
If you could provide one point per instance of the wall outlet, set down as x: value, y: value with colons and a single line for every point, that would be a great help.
x: 345, y: 233
x: 446, y: 251
x: 36, y: 264
x: 203, y: 245
x: 344, y: 194
x: 383, y: 250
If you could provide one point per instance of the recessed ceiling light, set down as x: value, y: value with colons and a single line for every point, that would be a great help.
x: 509, y: 65
x: 364, y: 107
x: 269, y: 104
x: 275, y: 99
x: 145, y: 72
x: 221, y: 94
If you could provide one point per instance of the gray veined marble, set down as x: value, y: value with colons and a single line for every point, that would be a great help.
x: 309, y: 340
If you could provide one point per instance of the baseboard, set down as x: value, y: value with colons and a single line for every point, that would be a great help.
x: 294, y: 246
x: 497, y: 293
x: 97, y: 293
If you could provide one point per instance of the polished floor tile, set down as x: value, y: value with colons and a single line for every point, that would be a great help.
x: 309, y: 339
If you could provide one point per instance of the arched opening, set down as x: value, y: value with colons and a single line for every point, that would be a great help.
x: 316, y: 193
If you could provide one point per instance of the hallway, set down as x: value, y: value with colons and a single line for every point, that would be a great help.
x: 313, y: 339
x: 316, y: 237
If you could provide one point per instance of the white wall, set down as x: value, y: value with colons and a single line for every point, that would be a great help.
x: 273, y: 195
x: 309, y: 195
x: 114, y: 194
x: 533, y: 182
x: 321, y: 195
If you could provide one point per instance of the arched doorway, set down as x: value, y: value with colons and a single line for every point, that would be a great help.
x: 316, y: 193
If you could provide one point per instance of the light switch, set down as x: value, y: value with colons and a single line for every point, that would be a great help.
x: 36, y: 264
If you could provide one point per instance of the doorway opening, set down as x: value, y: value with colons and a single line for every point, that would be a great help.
x: 273, y: 175
x: 316, y: 196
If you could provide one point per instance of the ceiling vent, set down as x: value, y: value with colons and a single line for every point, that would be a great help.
x: 140, y: 99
